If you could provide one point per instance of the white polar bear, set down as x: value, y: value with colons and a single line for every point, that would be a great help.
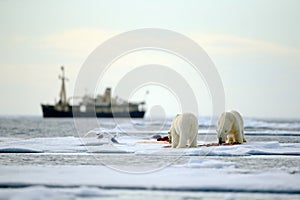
x: 184, y: 131
x: 231, y: 127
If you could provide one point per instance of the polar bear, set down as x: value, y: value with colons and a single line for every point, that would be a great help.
x: 184, y: 131
x: 231, y: 127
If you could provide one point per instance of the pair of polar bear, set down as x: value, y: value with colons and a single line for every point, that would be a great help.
x: 184, y: 129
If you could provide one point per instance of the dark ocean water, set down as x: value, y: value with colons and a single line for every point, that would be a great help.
x: 283, y: 130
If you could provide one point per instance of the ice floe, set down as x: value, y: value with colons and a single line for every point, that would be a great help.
x: 170, y: 178
x: 140, y: 146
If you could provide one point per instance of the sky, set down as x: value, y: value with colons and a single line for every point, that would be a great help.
x: 254, y: 45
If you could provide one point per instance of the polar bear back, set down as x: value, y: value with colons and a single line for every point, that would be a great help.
x: 239, y: 119
x: 188, y: 123
x: 231, y: 126
x: 184, y: 130
x: 229, y: 118
x: 225, y: 118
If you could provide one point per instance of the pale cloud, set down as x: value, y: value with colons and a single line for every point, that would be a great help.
x: 232, y: 44
x: 76, y: 42
x: 79, y: 42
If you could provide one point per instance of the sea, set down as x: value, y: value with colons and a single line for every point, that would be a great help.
x: 106, y: 158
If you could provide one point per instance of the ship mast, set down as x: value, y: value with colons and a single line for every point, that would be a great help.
x: 62, y: 94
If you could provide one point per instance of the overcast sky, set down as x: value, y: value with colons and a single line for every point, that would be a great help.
x: 255, y: 46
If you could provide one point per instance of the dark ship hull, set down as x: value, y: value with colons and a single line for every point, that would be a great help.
x: 49, y: 111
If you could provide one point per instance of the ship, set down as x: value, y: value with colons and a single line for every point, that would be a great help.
x: 101, y: 106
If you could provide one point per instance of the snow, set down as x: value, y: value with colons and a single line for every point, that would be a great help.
x: 141, y: 146
x: 174, y: 178
x: 56, y: 144
x: 246, y: 149
x: 198, y: 173
x: 42, y: 192
x: 211, y: 164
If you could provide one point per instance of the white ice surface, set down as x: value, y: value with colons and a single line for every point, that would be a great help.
x: 42, y: 192
x: 179, y: 178
x: 208, y: 163
x: 197, y: 174
x: 246, y: 149
x: 53, y: 145
x: 140, y: 146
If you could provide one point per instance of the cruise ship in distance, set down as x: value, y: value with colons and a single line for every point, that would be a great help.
x: 101, y: 106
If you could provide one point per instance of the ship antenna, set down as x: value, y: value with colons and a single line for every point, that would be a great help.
x: 62, y: 94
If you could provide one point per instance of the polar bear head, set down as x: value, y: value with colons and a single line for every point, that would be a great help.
x: 225, y: 124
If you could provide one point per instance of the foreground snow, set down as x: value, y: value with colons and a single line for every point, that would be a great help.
x: 197, y: 174
x: 140, y: 146
x: 209, y: 176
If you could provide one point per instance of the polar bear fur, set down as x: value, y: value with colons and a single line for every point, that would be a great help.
x: 231, y: 127
x: 184, y: 131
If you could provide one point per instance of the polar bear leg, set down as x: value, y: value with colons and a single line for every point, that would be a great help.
x: 231, y: 138
x: 182, y: 141
x: 240, y: 120
x: 194, y: 142
x: 244, y: 139
x: 175, y: 139
x: 240, y: 138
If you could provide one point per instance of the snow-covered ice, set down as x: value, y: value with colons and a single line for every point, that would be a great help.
x: 209, y: 164
x: 201, y: 172
x: 177, y: 178
x: 55, y: 145
x: 141, y: 146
